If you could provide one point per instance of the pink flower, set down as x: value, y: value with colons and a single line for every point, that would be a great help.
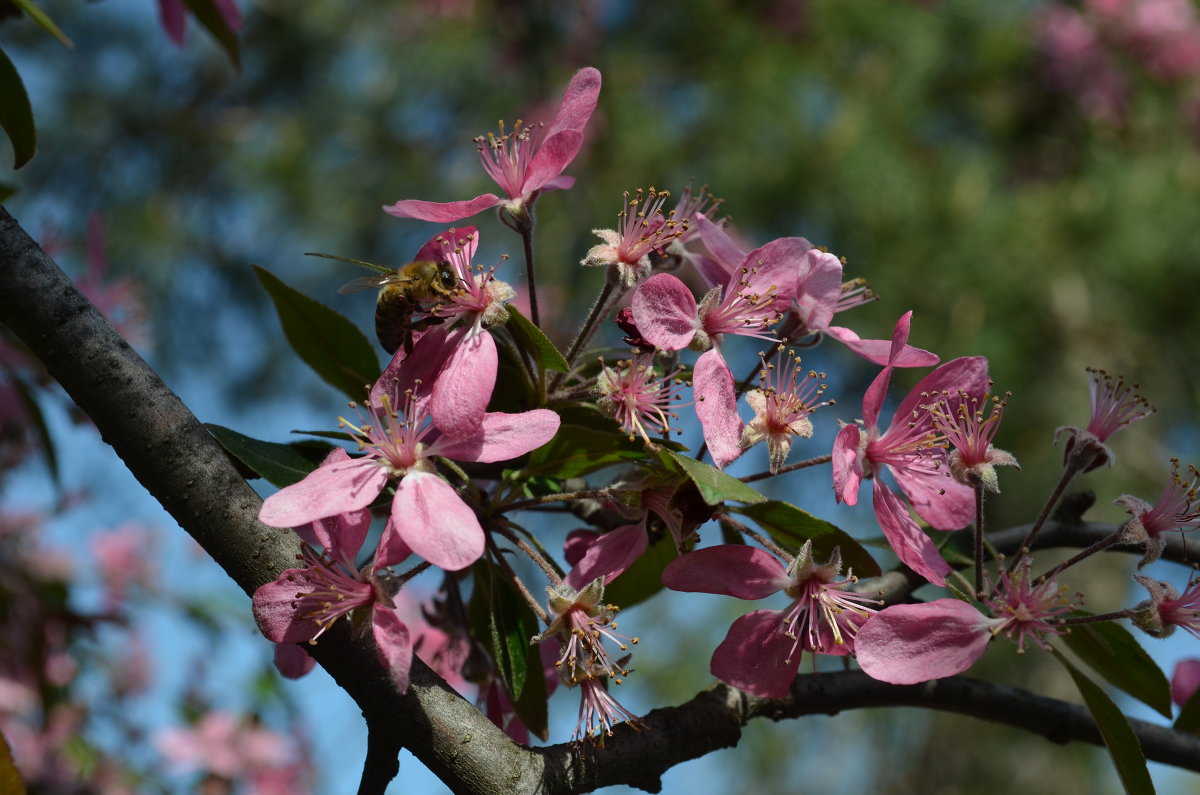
x: 907, y: 644
x: 811, y: 298
x: 910, y: 451
x: 224, y: 745
x: 969, y: 429
x: 522, y: 162
x: 1178, y: 508
x: 761, y: 653
x: 641, y: 229
x: 122, y: 560
x: 638, y: 398
x: 400, y: 440
x: 1185, y: 681
x: 1115, y: 405
x: 781, y: 404
x: 753, y: 299
x: 582, y: 623
x: 174, y: 17
x: 1167, y: 608
x: 301, y: 604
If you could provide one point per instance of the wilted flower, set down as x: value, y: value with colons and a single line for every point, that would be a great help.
x: 784, y: 399
x: 969, y: 428
x: 1115, y: 404
x: 637, y: 397
x: 1167, y: 608
x: 641, y: 229
x: 1178, y: 508
x: 582, y: 622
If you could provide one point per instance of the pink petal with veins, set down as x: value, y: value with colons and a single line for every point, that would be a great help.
x: 464, y: 385
x: 664, y: 311
x: 578, y: 102
x: 907, y: 644
x: 818, y: 287
x: 753, y: 656
x: 725, y: 252
x: 847, y: 465
x: 501, y: 436
x: 394, y: 644
x: 915, y: 549
x: 716, y: 407
x: 442, y: 212
x: 435, y: 522
x: 340, y: 485
x: 555, y: 154
x: 730, y: 569
x: 275, y: 608
x: 610, y: 555
x: 879, y: 351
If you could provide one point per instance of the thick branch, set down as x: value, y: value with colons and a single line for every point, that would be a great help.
x: 178, y: 462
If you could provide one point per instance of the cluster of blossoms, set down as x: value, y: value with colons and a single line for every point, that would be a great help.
x: 447, y: 473
x: 1086, y: 49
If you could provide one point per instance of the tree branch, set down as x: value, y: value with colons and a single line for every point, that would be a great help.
x: 178, y: 462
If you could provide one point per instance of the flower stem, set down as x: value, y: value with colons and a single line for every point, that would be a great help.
x: 767, y: 543
x: 979, y: 540
x: 1069, y: 472
x: 527, y: 241
x: 811, y: 462
x: 541, y: 562
x: 1100, y: 545
x: 566, y: 496
x: 1094, y: 619
x: 608, y: 294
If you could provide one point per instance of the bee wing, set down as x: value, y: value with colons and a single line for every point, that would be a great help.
x: 372, y: 282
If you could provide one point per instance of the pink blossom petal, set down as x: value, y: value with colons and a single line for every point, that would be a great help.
x: 275, y: 608
x: 874, y: 396
x: 609, y: 556
x: 406, y: 373
x: 435, y: 249
x: 555, y: 154
x: 664, y: 311
x: 442, y: 212
x: 966, y: 373
x: 907, y: 644
x: 753, y: 656
x: 578, y: 102
x: 818, y: 287
x: 913, y: 547
x: 937, y: 498
x: 341, y: 535
x: 716, y: 407
x: 731, y: 569
x: 229, y: 12
x: 395, y: 647
x: 879, y: 351
x: 776, y: 265
x: 464, y: 386
x: 577, y: 544
x: 340, y: 485
x: 560, y: 182
x: 501, y: 436
x: 292, y: 661
x: 1185, y: 681
x: 174, y: 19
x: 847, y: 466
x: 392, y: 548
x: 435, y: 522
x: 726, y: 254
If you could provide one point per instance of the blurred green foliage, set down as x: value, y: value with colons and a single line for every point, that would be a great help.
x: 919, y: 140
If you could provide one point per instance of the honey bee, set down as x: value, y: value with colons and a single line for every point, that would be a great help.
x: 415, y: 287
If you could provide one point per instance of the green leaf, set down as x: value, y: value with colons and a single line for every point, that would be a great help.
x: 531, y: 339
x: 576, y: 450
x: 644, y: 578
x: 206, y: 13
x: 510, y: 625
x: 715, y: 486
x: 790, y: 525
x: 531, y: 707
x: 6, y: 191
x: 1113, y: 652
x: 326, y: 341
x: 1122, y: 743
x: 16, y: 114
x: 279, y: 464
x: 1189, y: 715
x: 44, y: 22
